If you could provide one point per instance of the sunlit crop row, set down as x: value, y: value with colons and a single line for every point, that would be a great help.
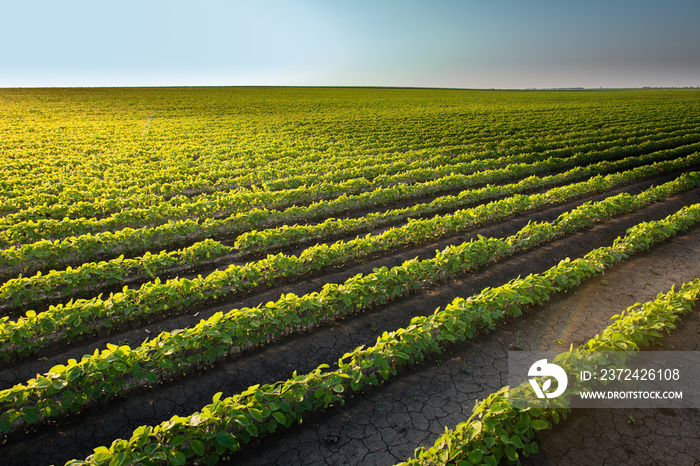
x: 108, y: 197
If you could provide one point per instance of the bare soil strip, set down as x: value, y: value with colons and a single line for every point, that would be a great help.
x: 415, y: 406
x: 629, y: 436
x: 135, y: 333
x: 385, y: 425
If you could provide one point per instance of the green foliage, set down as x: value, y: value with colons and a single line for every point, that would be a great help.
x: 497, y: 429
x: 84, y: 317
x: 102, y: 188
x: 176, y: 352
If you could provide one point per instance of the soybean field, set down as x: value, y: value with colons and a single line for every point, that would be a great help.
x: 271, y: 275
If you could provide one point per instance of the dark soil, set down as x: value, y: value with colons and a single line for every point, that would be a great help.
x: 134, y: 333
x: 384, y: 425
x: 222, y: 262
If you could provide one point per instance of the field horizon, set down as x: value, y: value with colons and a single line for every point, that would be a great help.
x: 188, y: 273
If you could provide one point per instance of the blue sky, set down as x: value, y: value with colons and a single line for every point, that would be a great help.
x: 436, y: 43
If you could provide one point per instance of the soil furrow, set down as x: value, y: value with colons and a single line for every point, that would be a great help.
x: 629, y: 436
x: 223, y: 262
x: 76, y: 437
x: 135, y: 333
x: 388, y: 423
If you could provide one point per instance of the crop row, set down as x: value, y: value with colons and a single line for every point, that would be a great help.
x: 212, y: 171
x: 77, y: 319
x: 498, y: 429
x: 23, y: 232
x: 218, y: 203
x: 73, y: 282
x: 30, y: 258
x: 228, y: 174
x: 106, y: 201
x: 333, y: 170
x: 91, y: 278
x: 293, y: 235
x: 230, y: 422
x: 135, y: 171
x: 118, y: 369
x: 207, y: 174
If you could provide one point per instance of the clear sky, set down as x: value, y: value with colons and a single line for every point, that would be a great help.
x: 425, y: 43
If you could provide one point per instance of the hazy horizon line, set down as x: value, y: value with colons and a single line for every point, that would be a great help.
x: 331, y: 86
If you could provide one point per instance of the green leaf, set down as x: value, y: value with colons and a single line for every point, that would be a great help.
x: 256, y: 413
x: 515, y: 440
x: 31, y: 416
x: 539, y: 424
x: 43, y: 383
x: 197, y: 447
x: 475, y: 456
x: 101, y: 455
x: 178, y: 459
x: 119, y: 460
x: 226, y: 440
x: 511, y: 453
x: 475, y: 429
x: 252, y: 430
x: 279, y: 417
x: 136, y: 371
x: 59, y: 369
x: 498, y: 408
x: 5, y: 425
x: 74, y: 373
x: 195, y: 419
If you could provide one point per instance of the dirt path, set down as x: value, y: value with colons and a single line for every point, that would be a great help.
x: 384, y: 425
